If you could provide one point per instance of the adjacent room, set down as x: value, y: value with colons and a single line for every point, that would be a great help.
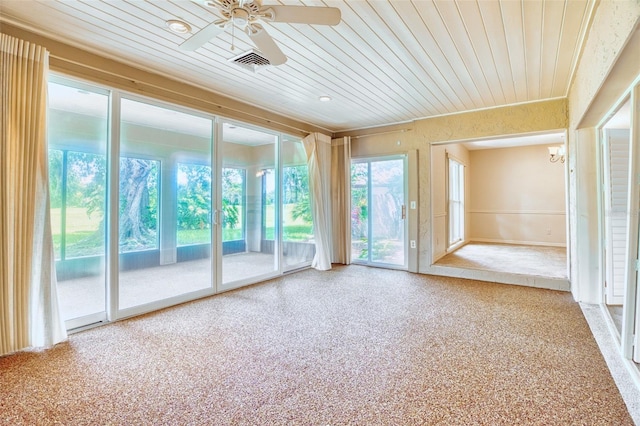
x: 500, y: 205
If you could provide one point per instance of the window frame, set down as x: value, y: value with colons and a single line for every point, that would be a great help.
x: 456, y: 216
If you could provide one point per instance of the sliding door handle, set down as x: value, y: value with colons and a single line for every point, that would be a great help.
x: 404, y: 212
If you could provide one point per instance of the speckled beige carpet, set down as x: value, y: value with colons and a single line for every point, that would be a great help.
x: 354, y: 345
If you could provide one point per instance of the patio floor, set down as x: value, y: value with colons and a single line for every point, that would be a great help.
x: 84, y: 296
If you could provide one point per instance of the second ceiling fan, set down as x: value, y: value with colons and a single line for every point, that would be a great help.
x: 247, y: 15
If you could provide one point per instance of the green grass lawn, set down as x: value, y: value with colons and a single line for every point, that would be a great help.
x: 82, y: 238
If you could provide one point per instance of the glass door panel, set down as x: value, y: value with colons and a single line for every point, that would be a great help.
x: 360, y: 212
x: 77, y: 132
x: 248, y: 213
x: 164, y: 204
x: 378, y: 224
x: 387, y: 212
x: 298, y: 244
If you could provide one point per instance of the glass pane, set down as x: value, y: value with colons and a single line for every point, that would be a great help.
x: 85, y: 205
x: 387, y: 224
x: 138, y: 219
x: 77, y: 132
x: 233, y: 203
x: 268, y: 185
x: 248, y: 204
x: 359, y: 212
x: 165, y: 203
x: 456, y: 202
x: 297, y: 224
x: 194, y: 204
x: 55, y: 196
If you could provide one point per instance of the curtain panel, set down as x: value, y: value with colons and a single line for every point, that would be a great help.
x: 29, y: 310
x: 318, y: 149
x: 341, y: 200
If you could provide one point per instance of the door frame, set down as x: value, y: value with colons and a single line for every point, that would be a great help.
x: 628, y: 340
x: 406, y: 219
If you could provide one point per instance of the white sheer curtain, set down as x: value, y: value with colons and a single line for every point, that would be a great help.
x: 341, y: 200
x: 29, y: 311
x: 318, y: 149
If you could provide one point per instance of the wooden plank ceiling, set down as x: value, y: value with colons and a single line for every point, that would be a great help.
x: 386, y: 62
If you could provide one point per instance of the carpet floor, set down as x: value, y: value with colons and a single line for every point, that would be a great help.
x: 353, y: 345
x: 544, y: 261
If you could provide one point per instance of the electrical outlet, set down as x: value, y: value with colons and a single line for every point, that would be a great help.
x: 413, y: 243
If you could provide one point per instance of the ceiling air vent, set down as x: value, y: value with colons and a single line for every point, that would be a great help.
x: 251, y: 60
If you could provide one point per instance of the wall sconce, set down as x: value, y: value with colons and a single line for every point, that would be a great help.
x: 556, y: 153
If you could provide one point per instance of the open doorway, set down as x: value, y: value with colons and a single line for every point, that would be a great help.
x: 514, y: 197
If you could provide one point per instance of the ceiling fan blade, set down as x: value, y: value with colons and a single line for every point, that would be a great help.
x: 266, y: 44
x: 203, y: 36
x: 303, y: 14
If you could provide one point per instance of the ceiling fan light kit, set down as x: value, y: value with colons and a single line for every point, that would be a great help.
x: 247, y: 16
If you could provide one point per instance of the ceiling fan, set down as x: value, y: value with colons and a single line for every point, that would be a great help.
x: 247, y: 15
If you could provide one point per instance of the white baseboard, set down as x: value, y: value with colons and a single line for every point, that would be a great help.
x: 515, y: 242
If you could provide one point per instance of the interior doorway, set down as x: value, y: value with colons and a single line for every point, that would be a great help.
x: 515, y: 205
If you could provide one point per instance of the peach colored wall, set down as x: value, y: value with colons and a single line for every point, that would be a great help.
x: 517, y: 196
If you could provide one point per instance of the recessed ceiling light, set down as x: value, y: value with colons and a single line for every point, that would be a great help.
x: 324, y: 98
x: 179, y: 27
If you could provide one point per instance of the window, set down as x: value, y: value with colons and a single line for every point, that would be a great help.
x: 297, y: 221
x: 194, y: 204
x: 77, y: 181
x: 456, y: 202
x: 233, y: 204
x: 138, y: 204
x: 268, y: 184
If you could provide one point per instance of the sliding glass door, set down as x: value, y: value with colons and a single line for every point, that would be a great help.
x: 248, y: 207
x: 78, y: 133
x: 298, y: 245
x: 164, y: 225
x: 140, y: 195
x: 378, y: 211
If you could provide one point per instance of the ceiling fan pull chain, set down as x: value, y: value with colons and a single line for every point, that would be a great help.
x: 233, y: 36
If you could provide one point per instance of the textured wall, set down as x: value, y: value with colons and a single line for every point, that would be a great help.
x: 613, y: 23
x: 510, y: 120
x: 609, y: 60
